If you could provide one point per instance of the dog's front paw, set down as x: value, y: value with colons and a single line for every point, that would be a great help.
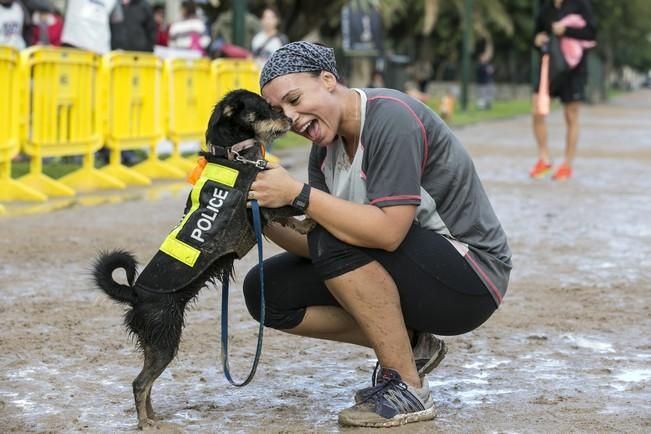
x: 301, y: 226
x: 167, y: 427
x: 146, y: 423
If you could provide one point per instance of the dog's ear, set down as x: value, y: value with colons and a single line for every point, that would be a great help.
x: 228, y: 110
x: 232, y: 107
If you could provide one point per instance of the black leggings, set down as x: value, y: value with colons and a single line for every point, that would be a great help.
x: 439, y: 292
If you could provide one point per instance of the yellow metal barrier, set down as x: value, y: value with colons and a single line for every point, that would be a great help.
x: 61, y: 116
x: 135, y: 114
x: 10, y: 189
x: 188, y: 103
x: 231, y: 74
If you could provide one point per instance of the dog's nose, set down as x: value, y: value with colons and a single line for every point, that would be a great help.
x: 292, y: 117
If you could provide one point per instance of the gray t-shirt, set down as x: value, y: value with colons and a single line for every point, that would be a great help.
x: 408, y: 156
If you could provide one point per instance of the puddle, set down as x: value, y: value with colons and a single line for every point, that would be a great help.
x: 634, y: 375
x: 591, y: 344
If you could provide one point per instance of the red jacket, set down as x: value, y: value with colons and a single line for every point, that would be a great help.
x: 54, y: 29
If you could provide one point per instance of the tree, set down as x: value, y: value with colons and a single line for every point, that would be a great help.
x: 429, y: 31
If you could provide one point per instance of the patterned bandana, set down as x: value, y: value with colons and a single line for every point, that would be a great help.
x: 298, y: 56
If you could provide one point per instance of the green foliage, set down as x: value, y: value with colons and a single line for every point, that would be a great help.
x: 624, y: 32
x: 499, y: 110
x: 624, y: 27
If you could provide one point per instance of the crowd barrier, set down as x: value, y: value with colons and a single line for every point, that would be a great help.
x: 59, y: 106
x: 188, y: 104
x: 230, y: 74
x: 134, y: 114
x: 11, y: 189
x: 60, y: 102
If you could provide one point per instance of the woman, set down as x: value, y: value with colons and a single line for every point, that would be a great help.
x: 190, y: 33
x: 407, y: 244
x: 556, y: 17
x: 269, y: 39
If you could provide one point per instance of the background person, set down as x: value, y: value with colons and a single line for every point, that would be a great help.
x: 485, y: 81
x: 269, y: 39
x: 569, y: 88
x: 162, y: 29
x: 137, y: 31
x: 13, y: 23
x: 190, y: 32
x: 47, y: 24
x: 407, y: 243
x: 86, y: 24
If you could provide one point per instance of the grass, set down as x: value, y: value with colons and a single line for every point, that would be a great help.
x: 54, y: 169
x: 499, y: 110
x: 290, y: 140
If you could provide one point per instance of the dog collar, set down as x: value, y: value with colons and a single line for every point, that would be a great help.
x: 233, y: 152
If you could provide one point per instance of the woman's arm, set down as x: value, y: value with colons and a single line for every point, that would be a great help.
x: 359, y: 224
x: 356, y: 224
x: 589, y: 31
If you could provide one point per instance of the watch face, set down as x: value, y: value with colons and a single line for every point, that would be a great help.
x: 302, y: 199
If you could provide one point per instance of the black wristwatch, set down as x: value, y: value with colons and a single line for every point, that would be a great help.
x: 302, y: 201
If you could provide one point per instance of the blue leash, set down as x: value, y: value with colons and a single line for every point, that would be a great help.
x: 257, y: 226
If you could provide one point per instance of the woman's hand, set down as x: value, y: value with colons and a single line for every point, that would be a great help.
x: 541, y: 39
x: 558, y: 28
x: 274, y: 187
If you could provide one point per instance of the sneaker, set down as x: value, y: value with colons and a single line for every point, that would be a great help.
x: 391, y: 403
x: 540, y: 170
x: 429, y: 351
x: 563, y: 173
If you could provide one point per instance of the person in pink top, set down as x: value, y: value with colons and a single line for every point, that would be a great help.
x: 573, y: 23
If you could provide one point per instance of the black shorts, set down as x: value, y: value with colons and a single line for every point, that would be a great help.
x: 439, y: 292
x: 572, y: 86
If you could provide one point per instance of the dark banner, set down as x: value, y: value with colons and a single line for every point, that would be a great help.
x: 361, y: 28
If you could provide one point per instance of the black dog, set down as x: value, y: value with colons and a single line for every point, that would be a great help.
x: 160, y: 294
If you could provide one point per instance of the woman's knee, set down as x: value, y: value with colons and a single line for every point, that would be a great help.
x: 332, y: 257
x: 280, y: 318
x: 251, y: 290
x: 571, y: 111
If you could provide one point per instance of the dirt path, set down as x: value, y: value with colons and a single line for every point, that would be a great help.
x: 569, y: 350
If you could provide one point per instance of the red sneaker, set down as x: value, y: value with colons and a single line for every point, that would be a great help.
x: 541, y: 169
x: 563, y: 173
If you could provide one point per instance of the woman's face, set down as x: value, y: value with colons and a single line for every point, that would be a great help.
x: 269, y: 20
x: 309, y: 102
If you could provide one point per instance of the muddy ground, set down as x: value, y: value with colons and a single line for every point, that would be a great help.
x: 568, y: 351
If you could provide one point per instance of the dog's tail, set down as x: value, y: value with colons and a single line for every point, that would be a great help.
x: 106, y: 263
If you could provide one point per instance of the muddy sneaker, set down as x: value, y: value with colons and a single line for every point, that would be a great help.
x: 391, y: 403
x: 429, y: 351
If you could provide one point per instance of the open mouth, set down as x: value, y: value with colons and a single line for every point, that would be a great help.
x: 306, y: 126
x: 310, y: 130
